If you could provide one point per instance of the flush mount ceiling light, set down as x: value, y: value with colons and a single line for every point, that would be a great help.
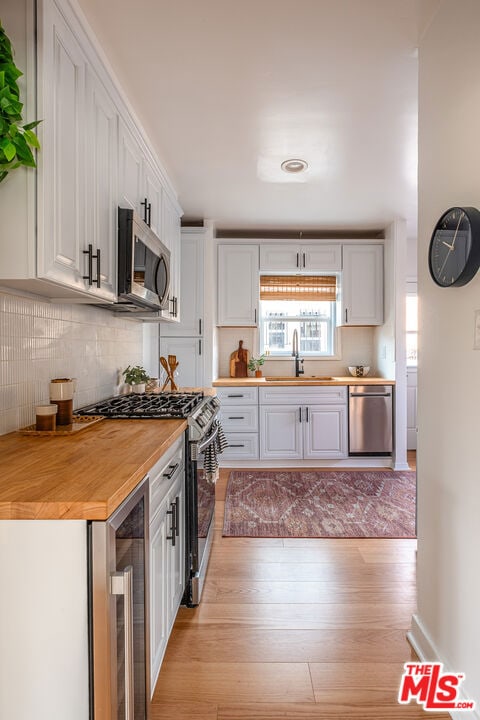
x: 294, y: 165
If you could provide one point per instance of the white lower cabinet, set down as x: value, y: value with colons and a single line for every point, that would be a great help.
x: 167, y: 551
x: 239, y: 419
x: 303, y: 423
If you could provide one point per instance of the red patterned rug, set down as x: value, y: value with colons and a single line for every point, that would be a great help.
x: 312, y: 503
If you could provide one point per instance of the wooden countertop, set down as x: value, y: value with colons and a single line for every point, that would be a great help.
x: 84, y: 477
x: 262, y: 382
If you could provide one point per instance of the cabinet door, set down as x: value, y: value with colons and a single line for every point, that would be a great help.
x: 130, y: 171
x: 280, y: 258
x: 362, y: 285
x: 325, y: 431
x: 171, y: 238
x: 191, y: 284
x: 61, y: 199
x: 151, y: 192
x: 158, y: 591
x: 189, y: 352
x: 101, y: 186
x: 177, y: 562
x: 280, y: 432
x: 238, y: 285
x: 321, y: 258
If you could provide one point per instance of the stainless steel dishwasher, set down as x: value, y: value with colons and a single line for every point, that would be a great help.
x: 370, y: 419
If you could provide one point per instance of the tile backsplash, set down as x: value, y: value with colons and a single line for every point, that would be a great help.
x: 41, y: 340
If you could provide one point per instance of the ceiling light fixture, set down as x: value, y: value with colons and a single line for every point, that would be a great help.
x: 294, y: 165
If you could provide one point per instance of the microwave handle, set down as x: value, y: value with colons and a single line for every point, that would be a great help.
x: 122, y: 584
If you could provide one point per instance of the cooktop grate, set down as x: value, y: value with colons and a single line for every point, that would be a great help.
x: 150, y: 405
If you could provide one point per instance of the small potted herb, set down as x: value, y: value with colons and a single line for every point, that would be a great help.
x: 136, y: 377
x: 255, y: 364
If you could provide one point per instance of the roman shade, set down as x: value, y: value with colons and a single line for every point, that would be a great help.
x: 298, y: 287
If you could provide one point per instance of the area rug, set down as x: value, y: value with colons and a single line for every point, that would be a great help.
x: 317, y: 504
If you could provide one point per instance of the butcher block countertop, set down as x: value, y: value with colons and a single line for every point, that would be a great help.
x: 83, y: 477
x: 300, y: 382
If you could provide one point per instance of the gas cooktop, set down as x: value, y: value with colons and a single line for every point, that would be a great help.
x: 147, y: 405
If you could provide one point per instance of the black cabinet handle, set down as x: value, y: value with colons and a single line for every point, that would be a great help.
x: 306, y: 415
x: 91, y: 258
x: 298, y: 260
x: 300, y: 414
x: 170, y: 474
x: 98, y: 278
x: 177, y: 516
x: 241, y: 445
x: 255, y: 315
x: 346, y: 315
x: 235, y: 396
x: 303, y: 259
x: 236, y: 417
x: 176, y: 305
x: 144, y: 204
x: 149, y: 221
x: 172, y: 311
x: 199, y: 326
x: 200, y: 347
x: 173, y: 529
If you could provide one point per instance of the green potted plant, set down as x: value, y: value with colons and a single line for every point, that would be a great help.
x: 136, y: 377
x: 17, y: 140
x: 255, y: 364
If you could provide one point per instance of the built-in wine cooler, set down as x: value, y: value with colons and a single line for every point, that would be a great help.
x: 119, y: 622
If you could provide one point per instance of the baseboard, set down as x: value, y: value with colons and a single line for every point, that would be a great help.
x: 425, y: 648
x: 353, y: 462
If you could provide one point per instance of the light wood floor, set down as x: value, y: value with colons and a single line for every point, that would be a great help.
x: 293, y: 629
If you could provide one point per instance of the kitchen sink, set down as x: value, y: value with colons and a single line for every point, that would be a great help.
x: 302, y: 378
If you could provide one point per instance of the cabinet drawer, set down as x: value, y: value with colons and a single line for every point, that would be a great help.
x: 311, y: 395
x: 242, y: 446
x: 240, y: 418
x: 237, y: 395
x: 164, y: 475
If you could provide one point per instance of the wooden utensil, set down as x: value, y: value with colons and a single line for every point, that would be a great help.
x: 169, y: 379
x: 173, y: 364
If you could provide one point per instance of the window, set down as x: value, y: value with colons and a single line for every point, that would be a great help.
x: 303, y: 303
x: 411, y: 323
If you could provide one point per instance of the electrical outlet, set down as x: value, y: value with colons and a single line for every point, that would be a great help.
x: 476, y: 331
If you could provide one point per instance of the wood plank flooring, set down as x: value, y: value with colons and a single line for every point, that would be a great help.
x: 293, y: 629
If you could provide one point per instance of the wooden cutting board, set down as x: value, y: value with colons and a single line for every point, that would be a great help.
x: 239, y: 361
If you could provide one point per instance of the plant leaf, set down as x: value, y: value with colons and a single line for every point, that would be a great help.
x: 8, y: 149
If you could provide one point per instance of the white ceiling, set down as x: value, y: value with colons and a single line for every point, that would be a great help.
x: 226, y: 90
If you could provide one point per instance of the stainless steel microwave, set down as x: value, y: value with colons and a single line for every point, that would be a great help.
x: 143, y: 266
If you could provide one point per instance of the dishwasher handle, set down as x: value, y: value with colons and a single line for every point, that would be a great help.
x: 386, y: 394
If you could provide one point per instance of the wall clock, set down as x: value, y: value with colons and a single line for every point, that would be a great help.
x: 454, y: 252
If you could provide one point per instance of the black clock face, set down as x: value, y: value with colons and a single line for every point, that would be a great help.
x: 454, y: 254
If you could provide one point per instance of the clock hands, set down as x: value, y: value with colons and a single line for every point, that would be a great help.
x: 452, y: 246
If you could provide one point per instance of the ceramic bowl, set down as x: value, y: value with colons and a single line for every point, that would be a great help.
x: 359, y: 370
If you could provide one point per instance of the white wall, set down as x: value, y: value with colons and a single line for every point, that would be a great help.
x: 449, y: 368
x: 40, y: 341
x: 356, y: 347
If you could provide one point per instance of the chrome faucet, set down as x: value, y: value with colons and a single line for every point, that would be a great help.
x: 298, y: 361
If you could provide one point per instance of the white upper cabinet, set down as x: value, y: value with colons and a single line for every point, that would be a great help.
x: 289, y: 258
x: 62, y: 160
x: 170, y: 236
x: 192, y: 270
x: 93, y: 158
x: 362, y: 285
x: 101, y: 186
x: 238, y: 285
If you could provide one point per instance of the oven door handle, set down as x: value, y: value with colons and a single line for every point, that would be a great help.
x: 208, y: 441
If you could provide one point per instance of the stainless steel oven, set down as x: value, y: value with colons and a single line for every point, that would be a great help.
x: 200, y: 499
x: 118, y: 549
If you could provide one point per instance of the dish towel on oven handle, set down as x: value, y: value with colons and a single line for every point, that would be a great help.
x: 210, y: 460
